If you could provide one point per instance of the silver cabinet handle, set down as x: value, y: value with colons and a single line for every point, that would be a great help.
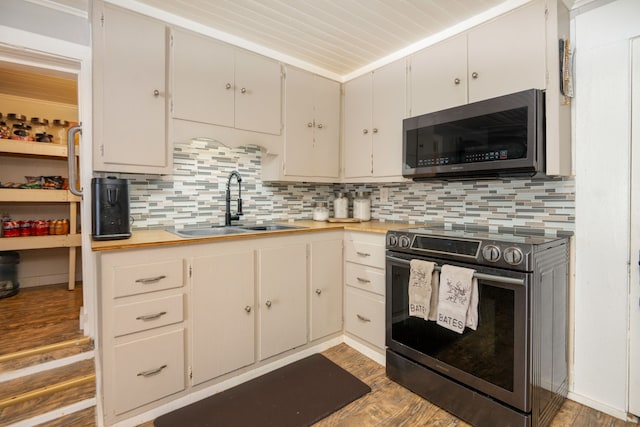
x: 319, y: 125
x: 360, y: 279
x: 156, y: 92
x: 227, y: 86
x: 243, y: 90
x: 318, y: 291
x: 151, y: 316
x: 365, y: 131
x: 474, y: 75
x: 363, y: 254
x: 309, y: 125
x: 248, y: 309
x: 147, y: 280
x: 151, y: 372
x: 456, y: 81
x: 364, y: 319
x: 375, y: 130
x: 268, y: 303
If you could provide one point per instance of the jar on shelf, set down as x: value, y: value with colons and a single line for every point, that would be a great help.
x: 362, y: 206
x: 321, y: 211
x: 59, y: 131
x: 5, y: 131
x: 21, y: 131
x: 341, y: 206
x: 39, y: 125
x: 15, y: 118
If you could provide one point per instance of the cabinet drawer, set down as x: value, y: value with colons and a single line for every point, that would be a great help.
x: 141, y: 278
x: 148, y: 369
x: 364, y: 277
x: 364, y: 315
x: 365, y: 253
x: 143, y: 315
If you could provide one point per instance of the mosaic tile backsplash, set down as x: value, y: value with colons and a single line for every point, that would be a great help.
x: 195, y: 195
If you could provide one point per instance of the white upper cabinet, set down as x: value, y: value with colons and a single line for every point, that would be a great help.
x: 312, y: 125
x: 218, y: 84
x: 130, y: 88
x: 374, y: 106
x: 503, y: 56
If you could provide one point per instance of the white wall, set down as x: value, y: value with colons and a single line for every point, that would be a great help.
x: 602, y: 141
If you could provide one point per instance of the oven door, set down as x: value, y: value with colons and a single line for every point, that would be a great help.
x: 493, y: 359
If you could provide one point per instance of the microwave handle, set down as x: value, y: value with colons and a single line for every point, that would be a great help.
x: 71, y: 159
x: 479, y: 276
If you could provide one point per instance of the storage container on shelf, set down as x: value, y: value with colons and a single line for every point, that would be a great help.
x: 321, y: 211
x: 362, y: 206
x: 341, y: 206
x: 9, y: 285
x: 59, y: 131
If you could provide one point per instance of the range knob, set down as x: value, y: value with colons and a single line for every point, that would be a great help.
x: 491, y: 253
x: 392, y: 240
x: 513, y: 256
x: 404, y: 241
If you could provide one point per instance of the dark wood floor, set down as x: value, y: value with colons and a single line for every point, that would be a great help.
x: 39, y: 316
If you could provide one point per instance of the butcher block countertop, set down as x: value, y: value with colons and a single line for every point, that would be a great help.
x: 157, y: 238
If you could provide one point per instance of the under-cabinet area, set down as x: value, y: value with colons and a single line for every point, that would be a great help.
x: 183, y: 318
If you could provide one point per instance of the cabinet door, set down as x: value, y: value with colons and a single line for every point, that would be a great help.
x: 299, y: 116
x: 508, y: 54
x: 222, y: 300
x: 438, y: 77
x: 357, y: 127
x: 282, y: 299
x: 326, y: 288
x: 132, y: 105
x: 389, y: 109
x: 202, y: 79
x: 258, y: 93
x: 326, y: 142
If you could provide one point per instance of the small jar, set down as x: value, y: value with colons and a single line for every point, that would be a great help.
x: 44, y: 137
x: 341, y: 206
x: 60, y: 131
x: 14, y: 118
x: 21, y: 132
x: 321, y: 211
x: 39, y: 125
x: 5, y: 131
x: 362, y: 206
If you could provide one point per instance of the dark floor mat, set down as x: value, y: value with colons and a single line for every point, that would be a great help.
x: 295, y: 395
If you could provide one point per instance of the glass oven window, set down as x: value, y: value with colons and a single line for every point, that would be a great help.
x: 487, y: 353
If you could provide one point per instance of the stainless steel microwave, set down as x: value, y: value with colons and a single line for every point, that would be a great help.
x: 498, y: 137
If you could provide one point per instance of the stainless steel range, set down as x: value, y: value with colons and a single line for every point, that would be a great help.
x: 511, y: 370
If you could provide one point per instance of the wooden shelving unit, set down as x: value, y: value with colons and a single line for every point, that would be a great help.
x: 10, y: 195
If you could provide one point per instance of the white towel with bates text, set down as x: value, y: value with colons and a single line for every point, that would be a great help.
x: 419, y: 290
x: 457, y: 299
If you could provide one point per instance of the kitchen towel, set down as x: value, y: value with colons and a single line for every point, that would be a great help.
x: 420, y: 288
x: 457, y: 298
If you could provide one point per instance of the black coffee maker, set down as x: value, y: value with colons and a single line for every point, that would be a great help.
x: 110, y: 208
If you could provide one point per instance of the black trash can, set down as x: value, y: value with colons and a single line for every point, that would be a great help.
x: 9, y: 285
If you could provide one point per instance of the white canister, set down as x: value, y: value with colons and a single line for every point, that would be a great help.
x: 341, y: 206
x: 362, y: 206
x: 321, y: 211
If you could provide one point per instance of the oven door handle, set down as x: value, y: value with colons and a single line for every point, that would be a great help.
x: 479, y: 276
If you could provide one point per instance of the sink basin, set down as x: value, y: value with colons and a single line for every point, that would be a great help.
x: 270, y: 227
x: 207, y: 232
x: 221, y: 230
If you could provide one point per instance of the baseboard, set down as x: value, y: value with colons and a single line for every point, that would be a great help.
x: 376, y: 356
x: 599, y: 406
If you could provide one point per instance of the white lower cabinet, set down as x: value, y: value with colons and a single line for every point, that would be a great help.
x: 282, y: 298
x: 364, y: 294
x: 325, y: 294
x: 222, y: 302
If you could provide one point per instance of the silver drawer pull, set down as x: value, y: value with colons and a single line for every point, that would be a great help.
x: 147, y: 280
x: 151, y: 316
x: 364, y: 319
x: 360, y: 279
x: 151, y: 372
x: 363, y: 254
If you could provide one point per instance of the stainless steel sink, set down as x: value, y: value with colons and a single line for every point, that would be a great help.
x: 208, y: 232
x: 221, y: 230
x: 270, y: 227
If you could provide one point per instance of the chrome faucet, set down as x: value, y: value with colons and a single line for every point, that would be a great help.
x: 227, y: 214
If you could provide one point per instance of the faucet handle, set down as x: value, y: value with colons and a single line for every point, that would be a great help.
x: 239, y: 207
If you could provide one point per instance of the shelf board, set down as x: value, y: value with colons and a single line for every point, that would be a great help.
x: 40, y: 242
x: 22, y: 195
x: 30, y: 148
